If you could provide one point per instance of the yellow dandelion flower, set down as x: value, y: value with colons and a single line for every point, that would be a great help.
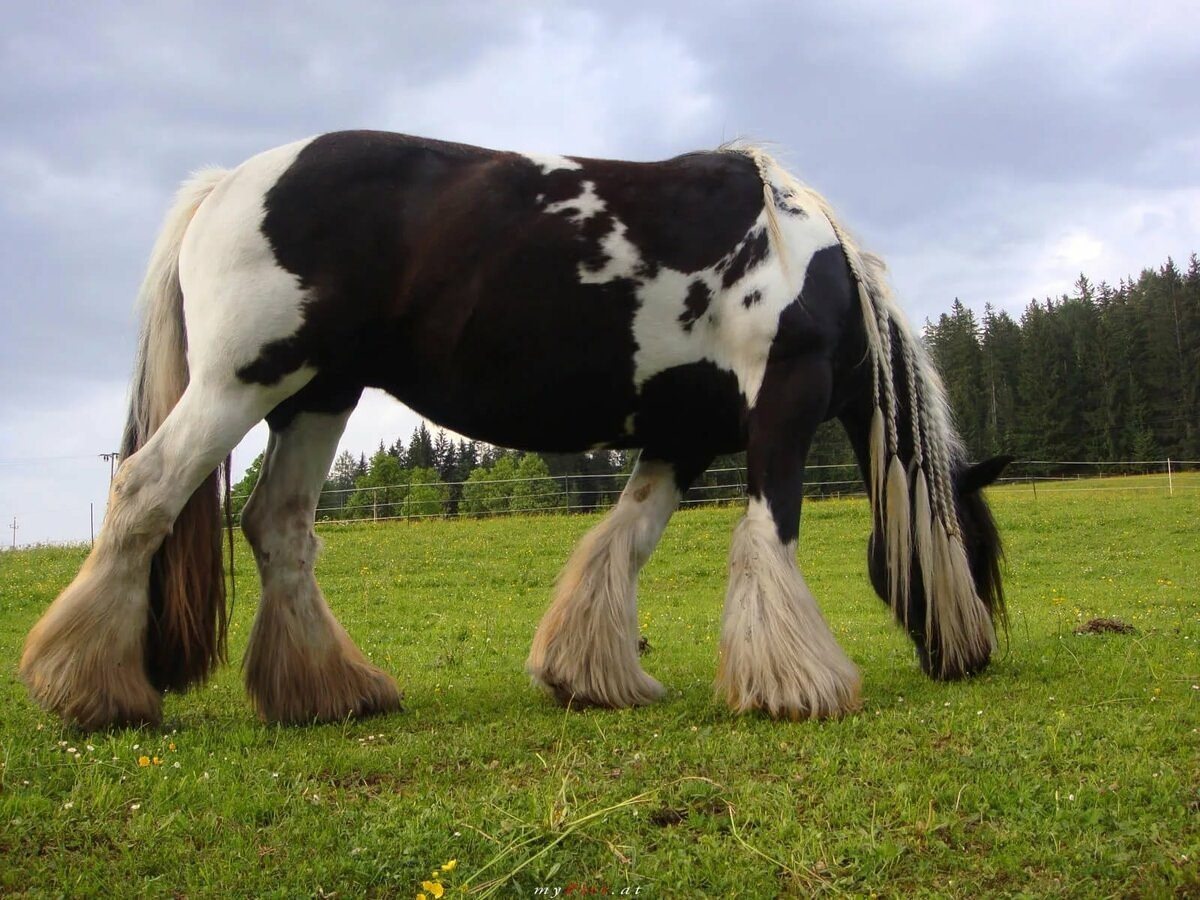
x: 422, y: 897
x: 435, y: 888
x: 171, y: 746
x: 449, y: 867
x: 143, y: 761
x: 156, y: 761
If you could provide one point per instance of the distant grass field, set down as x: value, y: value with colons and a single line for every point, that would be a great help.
x: 1071, y: 768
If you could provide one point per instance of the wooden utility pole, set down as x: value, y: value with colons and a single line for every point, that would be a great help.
x: 14, y: 527
x: 111, y: 459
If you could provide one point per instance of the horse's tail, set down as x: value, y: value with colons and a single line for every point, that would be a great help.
x: 914, y: 452
x: 185, y: 632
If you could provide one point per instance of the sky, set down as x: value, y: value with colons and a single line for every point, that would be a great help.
x: 989, y: 151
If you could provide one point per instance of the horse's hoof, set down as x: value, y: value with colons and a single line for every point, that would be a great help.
x: 337, y: 689
x: 91, y: 694
x: 584, y: 689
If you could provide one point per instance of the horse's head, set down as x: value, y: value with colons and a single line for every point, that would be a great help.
x: 981, y: 542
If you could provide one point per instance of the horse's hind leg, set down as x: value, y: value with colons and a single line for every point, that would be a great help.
x: 85, y: 658
x: 301, y: 666
x: 586, y: 647
x: 777, y: 653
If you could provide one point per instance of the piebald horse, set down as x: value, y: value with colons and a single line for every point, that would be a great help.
x: 696, y: 306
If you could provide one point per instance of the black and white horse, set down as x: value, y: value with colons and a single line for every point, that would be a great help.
x: 690, y: 307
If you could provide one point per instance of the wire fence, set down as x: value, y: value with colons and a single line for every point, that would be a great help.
x: 563, y: 494
x: 583, y: 493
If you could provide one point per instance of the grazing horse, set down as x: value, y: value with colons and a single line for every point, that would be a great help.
x: 697, y: 306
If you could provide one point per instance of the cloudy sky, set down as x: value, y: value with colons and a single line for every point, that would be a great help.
x: 989, y: 150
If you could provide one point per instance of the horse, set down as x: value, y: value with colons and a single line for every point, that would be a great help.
x: 705, y: 304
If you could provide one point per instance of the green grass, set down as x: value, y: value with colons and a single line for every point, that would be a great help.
x: 1072, y: 767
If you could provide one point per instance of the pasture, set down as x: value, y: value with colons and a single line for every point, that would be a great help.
x: 1072, y: 767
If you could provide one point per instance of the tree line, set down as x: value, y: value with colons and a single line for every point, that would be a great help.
x: 1103, y: 373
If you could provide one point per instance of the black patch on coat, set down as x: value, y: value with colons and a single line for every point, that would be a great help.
x: 685, y: 213
x: 695, y: 304
x: 593, y: 231
x: 326, y: 393
x: 786, y: 205
x: 813, y: 321
x: 697, y: 406
x: 751, y: 298
x: 561, y: 186
x: 752, y: 252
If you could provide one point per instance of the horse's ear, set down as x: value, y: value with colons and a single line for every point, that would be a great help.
x: 975, y: 478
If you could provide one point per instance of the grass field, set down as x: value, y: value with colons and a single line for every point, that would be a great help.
x: 1072, y: 767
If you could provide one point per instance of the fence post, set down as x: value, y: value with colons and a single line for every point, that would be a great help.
x: 1170, y: 480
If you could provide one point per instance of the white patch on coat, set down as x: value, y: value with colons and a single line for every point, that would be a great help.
x: 551, y: 162
x: 623, y: 259
x: 728, y: 334
x: 583, y: 207
x: 228, y: 271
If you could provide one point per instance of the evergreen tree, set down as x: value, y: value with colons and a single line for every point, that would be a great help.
x: 954, y: 344
x: 1045, y: 431
x: 1079, y: 321
x: 444, y: 456
x: 1000, y: 351
x: 1121, y: 355
x: 466, y: 458
x: 419, y: 454
x: 1189, y: 327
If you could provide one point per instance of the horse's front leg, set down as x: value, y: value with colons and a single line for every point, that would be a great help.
x: 777, y: 652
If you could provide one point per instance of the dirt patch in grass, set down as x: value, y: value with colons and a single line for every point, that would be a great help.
x: 366, y: 783
x: 667, y: 816
x: 1106, y: 626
